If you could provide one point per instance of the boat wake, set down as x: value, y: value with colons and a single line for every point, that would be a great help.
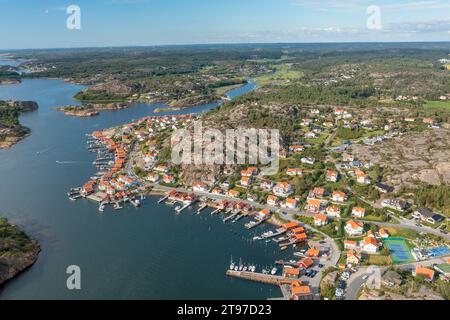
x: 43, y: 151
x: 68, y: 162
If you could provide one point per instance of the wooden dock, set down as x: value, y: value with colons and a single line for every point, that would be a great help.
x: 259, y: 277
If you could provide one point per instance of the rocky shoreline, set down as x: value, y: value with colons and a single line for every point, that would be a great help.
x: 18, y: 251
x: 11, y: 131
x: 91, y: 110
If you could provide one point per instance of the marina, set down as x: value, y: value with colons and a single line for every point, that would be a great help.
x: 121, y: 238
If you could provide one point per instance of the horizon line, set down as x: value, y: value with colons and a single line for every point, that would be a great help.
x: 225, y: 44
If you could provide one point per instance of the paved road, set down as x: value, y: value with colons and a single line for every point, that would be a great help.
x: 356, y: 281
x: 410, y: 227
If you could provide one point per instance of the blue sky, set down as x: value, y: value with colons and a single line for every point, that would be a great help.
x: 42, y: 23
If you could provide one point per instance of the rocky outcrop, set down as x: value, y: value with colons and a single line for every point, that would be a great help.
x: 90, y: 110
x: 17, y: 251
x: 11, y: 131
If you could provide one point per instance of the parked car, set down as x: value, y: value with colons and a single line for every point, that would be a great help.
x: 320, y: 266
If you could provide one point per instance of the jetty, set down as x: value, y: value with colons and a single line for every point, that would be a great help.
x: 255, y: 223
x: 202, y: 207
x: 231, y: 216
x: 259, y: 277
x: 216, y: 211
x: 163, y: 199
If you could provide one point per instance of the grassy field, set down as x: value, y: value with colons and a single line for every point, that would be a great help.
x: 379, y: 260
x: 283, y: 73
x: 222, y: 90
x: 402, y: 232
x: 442, y: 105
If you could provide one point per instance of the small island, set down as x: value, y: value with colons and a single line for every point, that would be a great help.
x: 91, y: 110
x: 17, y: 251
x: 11, y: 131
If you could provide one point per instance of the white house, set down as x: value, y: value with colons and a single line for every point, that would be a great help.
x: 370, y: 245
x: 358, y: 212
x: 354, y: 228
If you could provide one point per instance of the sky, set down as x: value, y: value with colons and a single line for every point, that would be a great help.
x: 103, y: 23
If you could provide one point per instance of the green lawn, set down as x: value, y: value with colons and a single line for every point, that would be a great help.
x: 438, y: 105
x: 283, y: 72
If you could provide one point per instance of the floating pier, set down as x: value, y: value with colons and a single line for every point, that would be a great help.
x: 259, y: 277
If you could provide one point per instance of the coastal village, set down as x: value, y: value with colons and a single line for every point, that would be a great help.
x: 347, y: 220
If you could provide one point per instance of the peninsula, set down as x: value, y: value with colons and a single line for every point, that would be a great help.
x: 11, y: 131
x: 17, y: 251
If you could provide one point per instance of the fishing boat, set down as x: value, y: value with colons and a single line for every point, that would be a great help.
x: 231, y: 264
x: 273, y: 271
x: 102, y: 207
x: 75, y: 197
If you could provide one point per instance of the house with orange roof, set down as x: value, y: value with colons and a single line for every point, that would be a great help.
x: 361, y: 177
x: 354, y: 228
x: 246, y: 173
x: 282, y: 189
x: 263, y: 214
x: 298, y: 230
x: 350, y: 244
x: 306, y: 263
x: 246, y: 181
x: 339, y: 111
x: 296, y: 148
x: 313, y: 253
x: 153, y: 177
x: 370, y: 245
x: 358, y: 212
x: 300, y: 292
x: 292, y: 172
x: 103, y: 185
x: 272, y: 200
x: 168, y: 178
x: 317, y: 193
x: 353, y: 258
x: 291, y: 273
x: 426, y: 273
x: 216, y: 191
x: 313, y: 205
x: 233, y: 193
x: 267, y: 184
x: 199, y: 186
x: 383, y: 233
x: 333, y: 211
x: 300, y: 237
x: 290, y: 203
x: 332, y: 176
x: 253, y: 170
x: 110, y: 190
x: 348, y: 157
x: 428, y: 120
x: 320, y: 220
x: 161, y: 168
x: 290, y: 225
x: 338, y: 196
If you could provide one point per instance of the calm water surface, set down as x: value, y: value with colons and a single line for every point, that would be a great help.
x: 146, y: 253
